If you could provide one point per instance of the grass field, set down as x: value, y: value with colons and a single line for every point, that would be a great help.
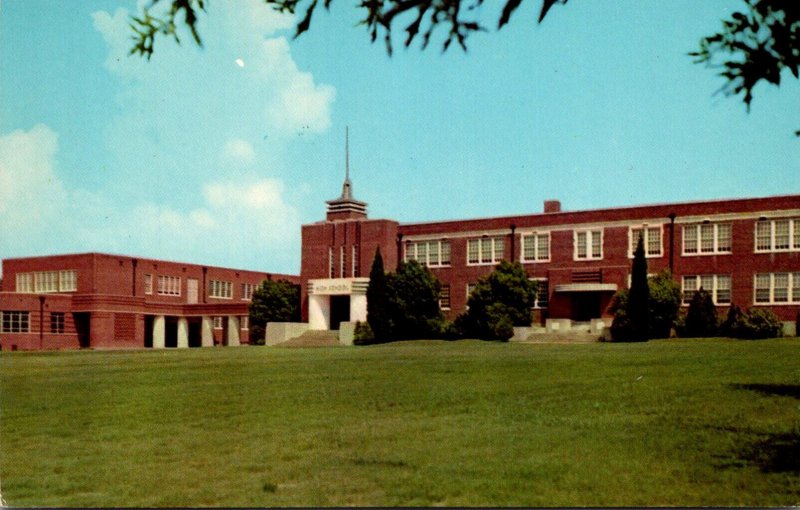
x: 684, y: 422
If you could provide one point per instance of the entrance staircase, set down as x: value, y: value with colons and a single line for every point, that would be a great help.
x: 579, y: 332
x: 313, y: 339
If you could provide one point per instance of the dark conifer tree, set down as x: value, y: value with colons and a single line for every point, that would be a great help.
x: 378, y: 300
x: 639, y: 297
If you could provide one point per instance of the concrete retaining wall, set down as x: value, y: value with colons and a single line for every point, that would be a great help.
x: 279, y: 332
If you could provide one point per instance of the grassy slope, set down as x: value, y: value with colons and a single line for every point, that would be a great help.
x: 418, y: 423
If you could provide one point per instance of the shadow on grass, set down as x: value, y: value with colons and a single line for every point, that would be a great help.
x: 783, y: 390
x: 772, y: 453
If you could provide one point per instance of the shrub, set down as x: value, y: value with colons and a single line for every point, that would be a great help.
x: 501, y: 300
x: 701, y: 318
x: 413, y: 299
x: 757, y: 323
x: 362, y: 335
x: 665, y: 301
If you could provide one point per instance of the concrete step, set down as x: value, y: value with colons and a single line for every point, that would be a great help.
x: 566, y: 338
x: 313, y: 339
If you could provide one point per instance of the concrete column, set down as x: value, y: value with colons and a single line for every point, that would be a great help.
x: 233, y: 330
x: 159, y: 331
x: 319, y: 311
x: 207, y: 332
x: 358, y: 307
x: 183, y: 333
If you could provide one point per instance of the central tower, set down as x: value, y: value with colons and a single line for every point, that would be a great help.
x: 346, y: 207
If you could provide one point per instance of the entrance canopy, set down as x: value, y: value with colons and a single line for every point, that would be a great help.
x: 337, y: 291
x: 586, y: 287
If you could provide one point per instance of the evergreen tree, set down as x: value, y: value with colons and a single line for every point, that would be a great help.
x: 701, y: 318
x: 639, y: 297
x: 378, y: 300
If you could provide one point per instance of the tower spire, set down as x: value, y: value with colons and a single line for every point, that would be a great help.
x: 347, y: 192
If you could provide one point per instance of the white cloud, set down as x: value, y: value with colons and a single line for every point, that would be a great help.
x: 31, y: 194
x: 240, y: 151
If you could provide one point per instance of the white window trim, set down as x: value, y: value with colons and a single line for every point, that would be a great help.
x: 72, y: 280
x: 633, y: 242
x: 247, y: 288
x: 494, y: 240
x: 590, y: 255
x: 149, y: 291
x: 18, y: 313
x: 449, y: 297
x: 789, y: 297
x: 713, y: 291
x: 536, y: 304
x: 535, y: 236
x: 215, y: 286
x: 24, y: 283
x: 794, y: 232
x: 698, y: 253
x: 166, y: 291
x: 414, y: 245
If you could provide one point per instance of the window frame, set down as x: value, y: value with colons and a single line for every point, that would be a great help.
x: 697, y: 229
x: 445, y: 298
x: 715, y: 289
x: 590, y: 235
x: 792, y: 288
x: 12, y: 321
x: 792, y: 235
x: 646, y: 228
x: 412, y: 251
x: 494, y: 245
x: 171, y: 287
x: 58, y: 321
x: 534, y: 237
x: 220, y: 289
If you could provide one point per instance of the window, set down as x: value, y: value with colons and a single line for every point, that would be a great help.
x: 486, y: 250
x: 776, y: 288
x: 651, y: 237
x: 778, y: 235
x: 57, y: 322
x: 25, y: 282
x: 15, y: 322
x: 169, y: 285
x: 148, y: 284
x: 706, y: 238
x: 220, y: 289
x: 536, y: 247
x: 217, y: 322
x: 429, y: 253
x: 444, y: 297
x: 331, y: 269
x: 342, y: 262
x: 247, y: 291
x: 542, y: 293
x: 244, y: 322
x: 354, y: 262
x: 67, y: 281
x: 46, y: 281
x: 588, y: 244
x: 717, y: 285
x: 470, y: 288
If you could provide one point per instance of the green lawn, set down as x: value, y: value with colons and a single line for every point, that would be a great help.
x: 684, y: 422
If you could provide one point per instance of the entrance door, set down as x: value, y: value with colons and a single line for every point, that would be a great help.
x: 191, y: 291
x: 82, y: 325
x: 585, y: 306
x: 340, y: 310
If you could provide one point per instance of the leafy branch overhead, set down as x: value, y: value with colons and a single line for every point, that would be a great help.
x: 753, y: 45
x: 460, y: 17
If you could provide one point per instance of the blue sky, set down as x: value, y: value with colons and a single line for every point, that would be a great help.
x: 218, y: 155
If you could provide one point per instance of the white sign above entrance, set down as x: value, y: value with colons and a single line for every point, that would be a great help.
x: 337, y: 286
